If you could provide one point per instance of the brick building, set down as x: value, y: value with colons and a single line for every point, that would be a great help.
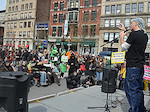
x: 83, y: 20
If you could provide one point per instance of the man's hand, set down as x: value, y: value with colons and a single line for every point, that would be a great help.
x: 122, y: 27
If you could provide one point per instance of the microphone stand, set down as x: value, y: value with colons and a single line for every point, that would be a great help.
x: 106, y: 105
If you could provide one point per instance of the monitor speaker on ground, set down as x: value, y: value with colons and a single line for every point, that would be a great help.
x: 109, y: 80
x: 14, y: 88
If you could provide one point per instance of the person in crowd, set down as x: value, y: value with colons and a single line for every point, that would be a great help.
x: 135, y: 46
x: 8, y: 67
x: 73, y: 64
x: 23, y: 67
x: 122, y: 76
x: 73, y: 81
x: 99, y: 70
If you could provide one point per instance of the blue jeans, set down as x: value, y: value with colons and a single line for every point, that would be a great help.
x: 43, y: 78
x: 134, y: 89
x: 99, y: 76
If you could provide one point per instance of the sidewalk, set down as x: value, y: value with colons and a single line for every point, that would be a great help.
x: 79, y: 101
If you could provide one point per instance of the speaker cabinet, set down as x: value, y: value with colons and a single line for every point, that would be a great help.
x: 109, y: 80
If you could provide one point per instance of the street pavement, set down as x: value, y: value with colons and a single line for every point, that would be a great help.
x: 36, y: 92
x: 78, y: 101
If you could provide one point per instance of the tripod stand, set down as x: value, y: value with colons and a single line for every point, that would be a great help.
x: 106, y: 107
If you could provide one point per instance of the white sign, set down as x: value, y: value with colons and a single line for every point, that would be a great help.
x: 64, y: 58
x: 66, y: 27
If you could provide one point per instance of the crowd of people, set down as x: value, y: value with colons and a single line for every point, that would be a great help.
x: 50, y: 66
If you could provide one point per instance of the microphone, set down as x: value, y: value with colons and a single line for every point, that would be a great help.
x: 128, y: 29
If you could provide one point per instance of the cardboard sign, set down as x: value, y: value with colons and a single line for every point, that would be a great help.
x: 64, y: 58
x: 117, y: 57
x: 146, y: 73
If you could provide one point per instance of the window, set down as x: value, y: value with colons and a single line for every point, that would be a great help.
x: 127, y: 8
x: 9, y: 9
x: 61, y: 5
x: 25, y: 24
x: 20, y: 33
x: 59, y: 31
x: 22, y: 7
x: 13, y: 1
x: 28, y: 34
x: 107, y: 9
x: 7, y: 34
x: 26, y: 7
x: 113, y: 9
x: 17, y: 1
x: 14, y: 34
x: 13, y: 8
x: 8, y: 17
x: 127, y: 22
x: 25, y: 15
x: 54, y: 31
x: 60, y: 18
x: 10, y: 1
x: 111, y: 36
x: 106, y: 23
x: 21, y: 16
x: 71, y: 4
x: 93, y: 29
x: 31, y: 6
x: 16, y: 16
x: 85, y: 31
x: 11, y: 26
x: 55, y: 18
x: 148, y: 22
x: 29, y: 24
x: 87, y: 3
x: 12, y: 17
x: 30, y: 14
x: 8, y: 25
x: 86, y: 16
x: 15, y: 25
x: 94, y: 2
x: 134, y: 7
x: 117, y: 22
x: 11, y: 34
x: 76, y: 16
x: 21, y: 24
x: 55, y: 6
x: 116, y: 37
x: 149, y: 6
x: 94, y: 15
x: 140, y: 7
x: 106, y: 37
x: 118, y: 8
x: 17, y: 8
x: 24, y: 33
x: 112, y: 23
x: 70, y: 16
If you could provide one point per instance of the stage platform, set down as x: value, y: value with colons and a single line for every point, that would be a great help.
x: 79, y: 101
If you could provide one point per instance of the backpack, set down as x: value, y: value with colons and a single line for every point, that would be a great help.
x: 82, y: 67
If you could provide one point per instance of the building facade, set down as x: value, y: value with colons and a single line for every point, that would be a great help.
x: 20, y: 22
x: 2, y: 19
x: 115, y: 12
x: 83, y: 18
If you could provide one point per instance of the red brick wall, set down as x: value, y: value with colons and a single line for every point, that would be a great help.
x: 52, y: 12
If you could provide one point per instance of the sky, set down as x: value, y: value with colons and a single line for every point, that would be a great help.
x: 3, y: 4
